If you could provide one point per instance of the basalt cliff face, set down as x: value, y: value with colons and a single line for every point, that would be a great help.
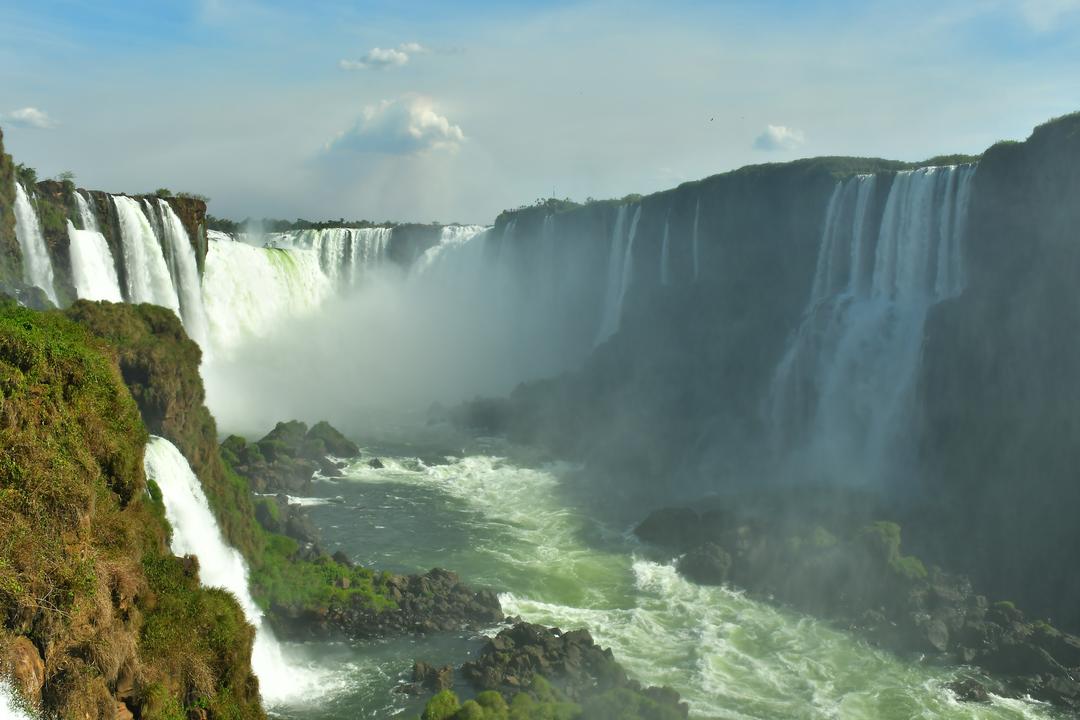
x: 1000, y: 382
x: 907, y: 330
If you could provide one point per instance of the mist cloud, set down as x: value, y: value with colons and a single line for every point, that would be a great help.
x: 28, y: 117
x: 404, y: 126
x: 779, y: 137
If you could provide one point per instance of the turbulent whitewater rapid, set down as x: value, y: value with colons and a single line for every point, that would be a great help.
x: 508, y: 528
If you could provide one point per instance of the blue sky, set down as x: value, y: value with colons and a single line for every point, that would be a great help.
x: 454, y: 111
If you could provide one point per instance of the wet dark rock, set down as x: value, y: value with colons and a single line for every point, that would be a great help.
x: 277, y: 515
x: 342, y: 559
x: 29, y: 296
x: 571, y: 661
x: 329, y: 468
x: 431, y: 678
x: 436, y: 601
x: 333, y: 441
x: 969, y: 690
x: 376, y: 464
x: 707, y: 564
x: 678, y: 528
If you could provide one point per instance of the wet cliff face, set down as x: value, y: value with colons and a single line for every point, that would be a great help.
x: 1000, y: 386
x: 10, y: 269
x: 716, y: 277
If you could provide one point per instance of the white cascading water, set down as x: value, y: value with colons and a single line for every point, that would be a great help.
x: 620, y: 270
x: 345, y: 253
x: 248, y: 290
x: 147, y: 274
x: 196, y: 532
x: 86, y: 215
x: 37, y: 266
x: 11, y: 706
x: 93, y: 270
x: 842, y: 395
x: 460, y: 252
x: 180, y: 257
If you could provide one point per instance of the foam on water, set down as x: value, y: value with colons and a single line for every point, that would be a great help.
x: 729, y: 656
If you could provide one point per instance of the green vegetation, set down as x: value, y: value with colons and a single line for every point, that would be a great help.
x: 882, y: 539
x: 541, y: 701
x: 280, y: 578
x: 67, y: 180
x: 84, y: 566
x: 26, y: 175
x: 163, y: 193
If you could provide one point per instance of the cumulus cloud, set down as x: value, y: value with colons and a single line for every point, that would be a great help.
x: 400, y: 127
x: 28, y: 117
x: 381, y: 59
x: 779, y: 137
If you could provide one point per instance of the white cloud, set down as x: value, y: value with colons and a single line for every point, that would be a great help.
x: 412, y: 48
x: 380, y: 58
x: 29, y: 117
x: 404, y: 126
x: 1044, y: 15
x: 779, y: 137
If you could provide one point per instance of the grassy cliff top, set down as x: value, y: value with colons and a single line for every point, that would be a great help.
x: 85, y: 573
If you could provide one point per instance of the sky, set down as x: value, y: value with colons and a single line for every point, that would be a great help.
x: 412, y: 110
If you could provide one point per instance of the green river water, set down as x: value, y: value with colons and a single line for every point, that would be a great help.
x: 512, y: 529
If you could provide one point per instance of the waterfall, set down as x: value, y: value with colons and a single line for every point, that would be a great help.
x: 185, y: 273
x: 248, y: 290
x: 620, y: 268
x: 148, y: 278
x: 345, y: 253
x: 196, y: 532
x: 37, y: 267
x: 93, y: 271
x: 11, y: 706
x: 842, y: 394
x: 459, y: 256
x: 86, y: 215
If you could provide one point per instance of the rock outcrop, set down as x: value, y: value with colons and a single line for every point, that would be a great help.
x: 436, y: 601
x: 286, y: 458
x: 534, y: 671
